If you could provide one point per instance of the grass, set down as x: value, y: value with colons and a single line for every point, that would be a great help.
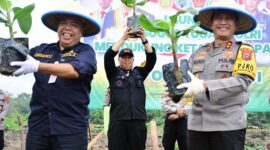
x: 255, y: 148
x: 11, y: 123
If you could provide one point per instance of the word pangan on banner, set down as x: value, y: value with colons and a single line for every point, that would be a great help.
x: 262, y: 48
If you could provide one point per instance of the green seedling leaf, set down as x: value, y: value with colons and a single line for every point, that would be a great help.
x: 20, y: 12
x: 199, y: 32
x: 164, y: 25
x: 5, y: 4
x: 142, y: 3
x: 186, y: 31
x: 148, y: 25
x: 129, y: 3
x: 23, y: 16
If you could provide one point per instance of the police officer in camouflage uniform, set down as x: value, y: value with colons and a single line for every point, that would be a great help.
x: 221, y: 73
x: 127, y: 129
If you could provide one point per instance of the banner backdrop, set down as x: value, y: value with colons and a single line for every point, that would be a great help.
x: 112, y: 16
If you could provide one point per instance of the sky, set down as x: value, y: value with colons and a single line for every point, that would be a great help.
x: 37, y: 35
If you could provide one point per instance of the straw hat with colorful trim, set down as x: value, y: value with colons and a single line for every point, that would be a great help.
x: 51, y: 18
x: 246, y: 21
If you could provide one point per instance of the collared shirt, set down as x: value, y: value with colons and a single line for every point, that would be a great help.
x: 222, y: 108
x: 61, y: 106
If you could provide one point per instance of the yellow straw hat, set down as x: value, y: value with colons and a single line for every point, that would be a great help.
x: 246, y: 21
x: 51, y: 18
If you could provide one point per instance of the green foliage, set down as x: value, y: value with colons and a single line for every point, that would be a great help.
x: 22, y: 15
x: 96, y: 116
x: 157, y: 115
x: 11, y: 123
x: 254, y: 148
x: 169, y: 26
x: 20, y: 105
x: 259, y: 119
x: 133, y: 3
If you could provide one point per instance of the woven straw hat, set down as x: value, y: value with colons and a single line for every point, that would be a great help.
x: 246, y: 21
x: 51, y: 18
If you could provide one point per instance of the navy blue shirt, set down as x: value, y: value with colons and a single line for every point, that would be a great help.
x: 61, y: 107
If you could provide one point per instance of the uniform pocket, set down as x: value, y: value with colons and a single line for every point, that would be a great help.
x: 197, y: 69
x: 224, y: 70
x: 224, y: 67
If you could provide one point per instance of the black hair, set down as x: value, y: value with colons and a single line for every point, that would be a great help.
x: 236, y: 16
x: 61, y: 17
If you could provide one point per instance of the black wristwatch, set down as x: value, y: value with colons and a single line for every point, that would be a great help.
x: 145, y: 42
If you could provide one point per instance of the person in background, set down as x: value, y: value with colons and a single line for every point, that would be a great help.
x: 175, y: 127
x: 63, y: 73
x: 221, y: 73
x: 127, y: 129
x: 4, y: 105
x: 106, y: 110
x: 105, y: 6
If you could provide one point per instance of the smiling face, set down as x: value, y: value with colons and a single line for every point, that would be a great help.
x: 126, y: 62
x: 70, y: 31
x: 224, y: 24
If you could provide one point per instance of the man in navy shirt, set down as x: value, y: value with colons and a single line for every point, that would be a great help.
x: 63, y: 72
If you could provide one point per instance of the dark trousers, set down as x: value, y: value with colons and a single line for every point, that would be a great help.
x: 57, y: 142
x: 127, y: 135
x: 2, y: 142
x: 175, y: 130
x: 219, y: 140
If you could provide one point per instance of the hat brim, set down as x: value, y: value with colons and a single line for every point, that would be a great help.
x: 246, y: 22
x: 51, y: 20
x: 126, y: 54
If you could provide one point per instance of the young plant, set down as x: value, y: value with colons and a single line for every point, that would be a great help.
x: 133, y: 4
x: 9, y: 14
x: 168, y: 27
x: 133, y: 21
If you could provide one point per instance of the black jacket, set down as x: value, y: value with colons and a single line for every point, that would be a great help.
x: 127, y: 88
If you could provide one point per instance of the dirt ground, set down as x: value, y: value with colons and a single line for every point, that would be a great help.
x: 254, y: 138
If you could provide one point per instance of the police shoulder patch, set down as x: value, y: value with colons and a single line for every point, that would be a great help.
x: 245, y: 62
